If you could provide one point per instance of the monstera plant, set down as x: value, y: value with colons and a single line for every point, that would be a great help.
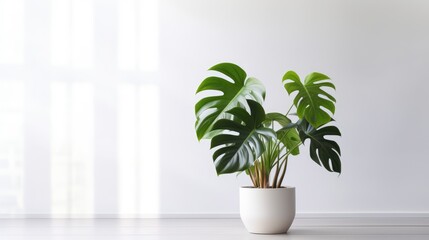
x: 245, y: 138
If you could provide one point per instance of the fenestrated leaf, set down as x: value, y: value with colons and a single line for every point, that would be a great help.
x: 234, y: 92
x: 322, y: 150
x: 242, y: 141
x: 312, y: 102
x: 288, y: 134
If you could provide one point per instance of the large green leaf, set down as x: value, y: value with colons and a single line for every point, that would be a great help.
x: 322, y: 150
x: 288, y: 134
x: 229, y: 93
x: 312, y: 102
x: 242, y: 140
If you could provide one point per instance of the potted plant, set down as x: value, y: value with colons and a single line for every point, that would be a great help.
x: 247, y: 139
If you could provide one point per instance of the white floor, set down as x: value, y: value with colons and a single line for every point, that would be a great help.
x: 199, y: 229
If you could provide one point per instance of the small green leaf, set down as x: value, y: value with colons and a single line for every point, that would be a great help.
x: 290, y: 138
x: 288, y: 135
x: 312, y: 102
x: 276, y: 117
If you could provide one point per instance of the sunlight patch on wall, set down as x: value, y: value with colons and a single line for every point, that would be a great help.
x: 127, y: 150
x: 127, y: 35
x: 138, y: 149
x: 149, y: 147
x: 11, y: 146
x: 72, y: 144
x: 148, y: 35
x: 138, y: 25
x: 72, y: 33
x: 12, y: 31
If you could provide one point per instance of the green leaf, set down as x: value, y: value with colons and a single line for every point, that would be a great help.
x: 288, y: 135
x: 229, y: 93
x: 276, y: 117
x: 322, y: 150
x: 312, y: 102
x: 290, y: 138
x: 243, y: 139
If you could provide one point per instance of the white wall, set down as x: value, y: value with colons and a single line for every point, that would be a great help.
x: 81, y: 128
x: 376, y: 52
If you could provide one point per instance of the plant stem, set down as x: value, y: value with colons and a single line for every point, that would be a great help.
x: 258, y: 177
x: 261, y: 174
x: 279, y: 184
x: 255, y: 176
x: 251, y: 178
x: 290, y: 151
x: 276, y: 174
x: 285, y: 156
x: 264, y: 178
x: 278, y: 143
x: 280, y: 140
x: 289, y: 110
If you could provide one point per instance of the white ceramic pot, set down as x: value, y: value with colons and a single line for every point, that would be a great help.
x: 267, y: 210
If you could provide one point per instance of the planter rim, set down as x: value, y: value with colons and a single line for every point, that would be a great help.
x: 282, y: 187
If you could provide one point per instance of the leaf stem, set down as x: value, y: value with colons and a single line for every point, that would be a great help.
x: 279, y: 184
x: 289, y: 110
x: 290, y: 151
x: 276, y: 174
